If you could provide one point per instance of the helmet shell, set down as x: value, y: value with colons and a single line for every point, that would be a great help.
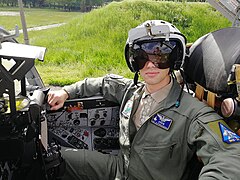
x: 157, y: 29
x: 212, y: 58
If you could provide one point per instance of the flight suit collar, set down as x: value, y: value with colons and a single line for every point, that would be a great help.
x: 173, y: 95
x: 161, y: 94
x: 171, y: 98
x: 169, y: 101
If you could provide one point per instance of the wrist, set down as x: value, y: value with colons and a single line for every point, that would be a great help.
x: 66, y: 94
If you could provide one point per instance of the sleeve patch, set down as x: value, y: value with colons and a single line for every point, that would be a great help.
x: 228, y: 136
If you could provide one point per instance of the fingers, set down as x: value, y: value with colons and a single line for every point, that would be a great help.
x: 56, y: 99
x: 52, y: 98
x: 56, y: 107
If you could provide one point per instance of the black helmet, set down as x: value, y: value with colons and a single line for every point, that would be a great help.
x: 212, y: 58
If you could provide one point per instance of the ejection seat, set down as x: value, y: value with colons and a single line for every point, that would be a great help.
x: 212, y: 69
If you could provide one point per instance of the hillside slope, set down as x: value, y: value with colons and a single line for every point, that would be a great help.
x: 93, y: 44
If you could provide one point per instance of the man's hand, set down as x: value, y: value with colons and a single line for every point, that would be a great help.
x: 56, y: 99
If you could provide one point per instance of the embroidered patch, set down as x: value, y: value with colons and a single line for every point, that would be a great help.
x: 228, y: 135
x: 127, y: 108
x: 162, y: 121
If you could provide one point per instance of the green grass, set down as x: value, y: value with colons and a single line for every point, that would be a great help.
x: 92, y: 45
x: 36, y: 17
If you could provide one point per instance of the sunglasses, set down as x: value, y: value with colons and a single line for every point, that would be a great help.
x: 158, y: 52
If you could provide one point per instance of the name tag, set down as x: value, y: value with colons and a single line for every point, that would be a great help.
x: 162, y: 121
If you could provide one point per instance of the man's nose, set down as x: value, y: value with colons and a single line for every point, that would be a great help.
x: 150, y: 64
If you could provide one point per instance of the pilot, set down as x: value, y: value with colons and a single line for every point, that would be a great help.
x: 165, y: 133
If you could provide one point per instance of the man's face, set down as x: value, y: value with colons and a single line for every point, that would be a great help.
x: 152, y: 59
x: 153, y: 75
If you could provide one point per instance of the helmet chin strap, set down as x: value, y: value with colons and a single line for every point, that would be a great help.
x: 135, y: 80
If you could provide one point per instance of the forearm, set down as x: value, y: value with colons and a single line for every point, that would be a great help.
x: 85, y: 88
x: 222, y: 166
x: 111, y: 87
x: 221, y: 159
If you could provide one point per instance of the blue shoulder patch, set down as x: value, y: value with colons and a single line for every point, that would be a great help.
x: 162, y: 121
x: 228, y: 135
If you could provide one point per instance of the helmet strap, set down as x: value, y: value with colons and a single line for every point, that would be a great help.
x: 135, y: 80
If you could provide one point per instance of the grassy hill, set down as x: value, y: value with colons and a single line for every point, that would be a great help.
x: 93, y: 44
x: 34, y: 17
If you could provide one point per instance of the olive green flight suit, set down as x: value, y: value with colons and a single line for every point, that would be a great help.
x: 164, y: 145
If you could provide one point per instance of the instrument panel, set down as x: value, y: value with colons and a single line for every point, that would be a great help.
x: 86, y: 123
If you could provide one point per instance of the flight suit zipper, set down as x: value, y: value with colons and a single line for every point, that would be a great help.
x: 133, y: 141
x: 171, y: 150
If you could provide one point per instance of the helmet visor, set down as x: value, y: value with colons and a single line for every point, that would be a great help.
x: 158, y: 52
